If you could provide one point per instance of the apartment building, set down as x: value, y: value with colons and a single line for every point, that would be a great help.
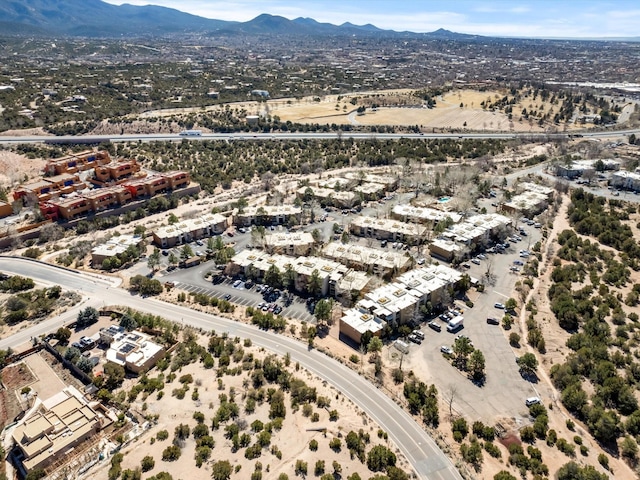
x: 423, y: 214
x: 188, y: 230
x: 289, y: 243
x: 328, y: 196
x: 77, y: 162
x: 267, y: 215
x: 387, y: 229
x: 383, y: 263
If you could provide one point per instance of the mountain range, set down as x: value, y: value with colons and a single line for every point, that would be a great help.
x: 95, y: 18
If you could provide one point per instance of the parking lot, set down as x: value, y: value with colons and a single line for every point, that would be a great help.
x: 240, y: 295
x: 504, y: 392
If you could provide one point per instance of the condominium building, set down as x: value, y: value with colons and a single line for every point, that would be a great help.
x: 327, y: 196
x: 289, y: 243
x: 387, y: 229
x: 186, y: 231
x: 267, y: 215
x: 384, y: 263
x: 423, y: 214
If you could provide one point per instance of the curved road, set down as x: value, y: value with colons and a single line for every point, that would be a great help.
x: 419, y: 448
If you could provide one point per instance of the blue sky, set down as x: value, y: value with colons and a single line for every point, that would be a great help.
x: 521, y: 18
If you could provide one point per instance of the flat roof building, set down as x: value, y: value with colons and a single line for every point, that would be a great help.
x: 527, y: 202
x: 328, y: 196
x: 357, y: 321
x: 329, y: 272
x: 134, y: 351
x: 390, y: 182
x: 423, y: 214
x: 396, y: 303
x: 447, y: 250
x: 55, y: 427
x: 626, y: 180
x: 387, y: 229
x: 477, y: 229
x: 267, y: 215
x: 285, y: 243
x: 373, y: 260
x: 188, y: 230
x: 114, y: 246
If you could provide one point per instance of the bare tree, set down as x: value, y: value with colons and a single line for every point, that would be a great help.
x: 450, y: 396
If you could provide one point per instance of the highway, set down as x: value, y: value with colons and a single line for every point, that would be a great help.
x: 419, y: 448
x: 251, y: 136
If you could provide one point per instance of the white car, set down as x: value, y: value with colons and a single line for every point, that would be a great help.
x: 446, y: 350
x: 532, y: 401
x: 476, y: 261
x: 499, y: 305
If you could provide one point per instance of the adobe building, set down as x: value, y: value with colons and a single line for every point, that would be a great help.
x: 53, y: 428
x: 285, y: 243
x: 6, y: 209
x: 267, y: 215
x: 186, y: 231
x: 387, y: 229
x: 77, y: 162
x: 113, y: 247
x: 116, y: 171
x: 134, y: 351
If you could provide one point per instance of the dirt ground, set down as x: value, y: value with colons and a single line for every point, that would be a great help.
x: 14, y: 167
x: 292, y: 441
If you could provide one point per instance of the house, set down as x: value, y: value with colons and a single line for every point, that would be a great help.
x: 626, y: 180
x: 134, y: 351
x: 53, y: 428
x: 113, y: 247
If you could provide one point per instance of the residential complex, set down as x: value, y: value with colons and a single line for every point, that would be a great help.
x: 267, y: 215
x: 397, y: 302
x: 423, y: 214
x: 289, y: 243
x: 383, y: 263
x: 387, y: 229
x: 186, y: 231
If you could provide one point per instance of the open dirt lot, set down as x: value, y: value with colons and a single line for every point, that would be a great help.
x: 205, y: 395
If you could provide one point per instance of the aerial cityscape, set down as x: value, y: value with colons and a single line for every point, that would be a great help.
x: 279, y: 240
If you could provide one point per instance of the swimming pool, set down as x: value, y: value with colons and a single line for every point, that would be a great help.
x: 443, y: 199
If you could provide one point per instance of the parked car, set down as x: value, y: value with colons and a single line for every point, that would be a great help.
x: 227, y: 297
x: 499, y: 305
x: 492, y: 321
x: 532, y: 401
x: 435, y: 326
x: 415, y: 339
x: 476, y: 261
x: 446, y: 350
x: 419, y: 334
x: 200, y: 243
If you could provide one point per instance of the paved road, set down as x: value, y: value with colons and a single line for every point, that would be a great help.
x: 304, y: 136
x: 420, y: 449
